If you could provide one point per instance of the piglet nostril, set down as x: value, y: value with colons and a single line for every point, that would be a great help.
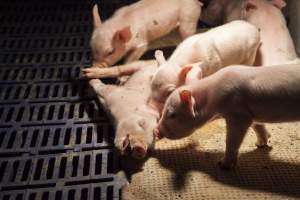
x: 139, y: 152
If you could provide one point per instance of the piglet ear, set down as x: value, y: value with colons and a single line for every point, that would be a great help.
x: 159, y: 56
x: 124, y: 35
x: 187, y: 100
x: 125, y: 145
x: 183, y: 73
x: 96, y: 16
x: 250, y: 5
x: 279, y: 3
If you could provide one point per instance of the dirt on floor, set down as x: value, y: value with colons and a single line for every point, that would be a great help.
x: 187, y: 168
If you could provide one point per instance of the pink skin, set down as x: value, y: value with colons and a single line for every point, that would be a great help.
x: 242, y: 96
x: 267, y: 16
x: 264, y: 14
x: 127, y: 105
x: 293, y: 14
x: 219, y: 12
x: 209, y: 51
x: 145, y: 21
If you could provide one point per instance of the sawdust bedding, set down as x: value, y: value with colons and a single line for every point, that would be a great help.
x: 187, y: 168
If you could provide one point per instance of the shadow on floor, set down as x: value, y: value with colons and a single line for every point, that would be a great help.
x: 256, y: 170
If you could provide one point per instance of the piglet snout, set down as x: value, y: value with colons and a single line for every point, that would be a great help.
x: 139, y: 152
x: 136, y: 150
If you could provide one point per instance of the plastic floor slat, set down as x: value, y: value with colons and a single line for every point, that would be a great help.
x: 56, y: 142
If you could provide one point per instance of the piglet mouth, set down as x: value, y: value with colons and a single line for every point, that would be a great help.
x: 157, y: 134
x: 139, y: 152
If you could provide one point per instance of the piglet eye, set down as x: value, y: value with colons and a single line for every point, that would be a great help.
x: 168, y: 93
x: 171, y: 115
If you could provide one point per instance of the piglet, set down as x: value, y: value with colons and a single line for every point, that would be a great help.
x: 218, y: 12
x: 243, y: 96
x: 233, y: 43
x: 133, y: 119
x: 293, y: 15
x: 277, y: 45
x: 129, y: 31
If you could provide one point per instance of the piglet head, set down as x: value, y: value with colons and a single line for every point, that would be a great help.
x: 179, y: 116
x: 132, y: 145
x: 255, y: 11
x: 134, y: 136
x: 279, y: 3
x: 107, y: 48
x: 166, y: 79
x: 108, y: 43
x: 256, y: 4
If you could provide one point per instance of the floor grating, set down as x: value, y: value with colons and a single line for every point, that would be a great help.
x: 56, y: 142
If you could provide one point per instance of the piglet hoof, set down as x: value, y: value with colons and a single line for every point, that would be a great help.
x: 122, y: 80
x: 223, y: 167
x: 139, y: 152
x: 261, y: 145
x: 100, y: 65
x: 89, y: 73
x: 226, y: 166
x: 262, y: 142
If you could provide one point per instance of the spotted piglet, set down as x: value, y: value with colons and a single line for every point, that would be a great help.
x: 243, y: 96
x: 277, y: 45
x: 233, y: 43
x: 133, y: 119
x: 128, y: 32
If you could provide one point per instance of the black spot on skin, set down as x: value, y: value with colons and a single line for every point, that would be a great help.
x: 155, y: 22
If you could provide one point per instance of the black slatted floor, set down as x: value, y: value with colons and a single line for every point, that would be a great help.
x: 55, y: 141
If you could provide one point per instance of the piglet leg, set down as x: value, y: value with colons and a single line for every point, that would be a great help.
x: 187, y: 29
x: 189, y: 19
x: 137, y: 53
x: 236, y: 131
x: 95, y: 72
x: 116, y: 71
x: 262, y: 135
x: 133, y: 55
x: 100, y: 64
x: 101, y: 89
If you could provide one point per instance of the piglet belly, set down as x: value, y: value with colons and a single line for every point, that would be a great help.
x: 283, y: 114
x: 272, y: 107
